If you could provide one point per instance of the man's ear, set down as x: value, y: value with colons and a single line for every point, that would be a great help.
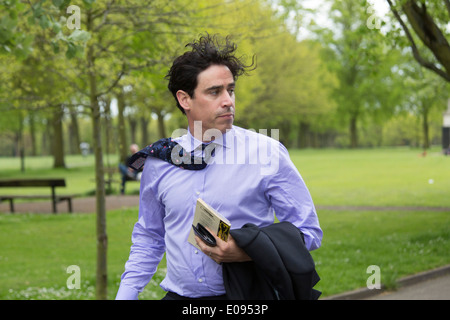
x: 184, y: 99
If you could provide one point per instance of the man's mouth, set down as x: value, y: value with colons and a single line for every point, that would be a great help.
x: 227, y: 115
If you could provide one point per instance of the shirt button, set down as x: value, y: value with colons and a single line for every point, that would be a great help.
x: 200, y: 280
x: 196, y: 251
x: 198, y: 192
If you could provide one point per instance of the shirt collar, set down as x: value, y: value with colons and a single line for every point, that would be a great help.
x: 189, y: 142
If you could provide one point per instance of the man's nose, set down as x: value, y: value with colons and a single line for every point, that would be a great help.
x: 227, y: 100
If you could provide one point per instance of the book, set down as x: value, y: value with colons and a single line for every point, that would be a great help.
x: 210, y: 218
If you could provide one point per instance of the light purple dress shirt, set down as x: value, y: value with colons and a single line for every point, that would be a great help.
x: 248, y: 180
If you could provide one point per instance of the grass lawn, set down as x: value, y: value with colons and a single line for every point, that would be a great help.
x: 375, y: 177
x: 36, y: 250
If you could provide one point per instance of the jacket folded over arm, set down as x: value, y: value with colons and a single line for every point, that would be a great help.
x: 282, y: 267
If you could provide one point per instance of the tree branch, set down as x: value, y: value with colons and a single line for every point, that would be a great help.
x: 428, y: 32
x: 427, y: 64
x: 447, y: 4
x: 114, y: 83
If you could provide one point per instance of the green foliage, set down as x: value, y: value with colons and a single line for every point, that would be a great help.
x: 18, y: 27
x: 318, y: 93
x: 12, y: 41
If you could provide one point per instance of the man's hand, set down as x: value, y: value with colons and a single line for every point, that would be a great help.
x: 224, y: 251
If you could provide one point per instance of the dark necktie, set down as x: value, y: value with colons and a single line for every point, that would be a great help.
x: 170, y: 151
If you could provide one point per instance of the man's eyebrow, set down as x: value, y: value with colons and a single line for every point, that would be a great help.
x: 214, y: 88
x: 231, y: 85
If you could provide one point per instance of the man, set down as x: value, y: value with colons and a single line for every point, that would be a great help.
x: 248, y: 177
x: 126, y: 172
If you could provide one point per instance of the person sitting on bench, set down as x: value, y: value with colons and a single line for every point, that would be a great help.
x: 128, y: 173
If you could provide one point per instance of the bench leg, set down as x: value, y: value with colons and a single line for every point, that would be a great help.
x: 11, y: 205
x: 54, y: 200
x: 69, y: 204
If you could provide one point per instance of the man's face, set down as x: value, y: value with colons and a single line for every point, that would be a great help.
x: 213, y: 102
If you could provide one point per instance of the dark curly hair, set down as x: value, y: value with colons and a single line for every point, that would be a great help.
x: 208, y: 50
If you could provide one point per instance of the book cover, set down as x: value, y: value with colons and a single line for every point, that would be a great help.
x: 210, y: 218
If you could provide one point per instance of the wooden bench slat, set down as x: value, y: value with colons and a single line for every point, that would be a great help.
x: 52, y: 183
x: 62, y: 197
x: 32, y: 183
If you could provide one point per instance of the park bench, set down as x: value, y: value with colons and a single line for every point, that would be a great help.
x: 22, y: 183
x: 110, y: 172
x: 110, y: 177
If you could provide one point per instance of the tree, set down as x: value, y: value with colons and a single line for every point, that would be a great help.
x: 429, y: 22
x: 426, y: 92
x: 363, y: 66
x: 31, y: 80
x: 289, y: 90
x: 123, y: 36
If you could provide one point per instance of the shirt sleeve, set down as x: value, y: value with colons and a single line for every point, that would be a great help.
x: 148, y: 245
x: 291, y: 200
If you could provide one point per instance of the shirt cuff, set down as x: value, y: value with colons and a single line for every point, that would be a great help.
x: 126, y: 293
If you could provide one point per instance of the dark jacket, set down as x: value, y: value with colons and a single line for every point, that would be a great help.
x: 282, y: 267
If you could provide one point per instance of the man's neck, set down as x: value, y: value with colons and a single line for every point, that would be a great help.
x: 204, y: 135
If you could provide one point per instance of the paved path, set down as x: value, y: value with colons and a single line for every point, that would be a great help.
x: 428, y: 285
x: 87, y: 205
x: 80, y: 205
x: 432, y: 289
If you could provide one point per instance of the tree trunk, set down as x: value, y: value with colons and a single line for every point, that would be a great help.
x: 102, y: 238
x: 58, y: 141
x: 303, y: 135
x: 74, y: 136
x: 425, y: 128
x: 123, y: 150
x: 144, y: 132
x: 109, y: 133
x: 161, y: 125
x: 32, y: 133
x: 133, y: 128
x: 20, y: 151
x: 353, y: 132
x: 45, y: 143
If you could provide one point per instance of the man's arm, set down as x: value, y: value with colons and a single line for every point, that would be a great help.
x: 291, y: 200
x: 148, y: 245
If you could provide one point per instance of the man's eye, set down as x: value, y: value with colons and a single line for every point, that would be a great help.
x: 214, y: 92
x: 231, y: 92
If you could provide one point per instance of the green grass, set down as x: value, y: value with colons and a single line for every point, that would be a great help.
x: 36, y: 250
x: 375, y: 177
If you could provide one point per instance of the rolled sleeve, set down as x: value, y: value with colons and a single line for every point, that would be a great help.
x: 126, y: 293
x: 292, y: 202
